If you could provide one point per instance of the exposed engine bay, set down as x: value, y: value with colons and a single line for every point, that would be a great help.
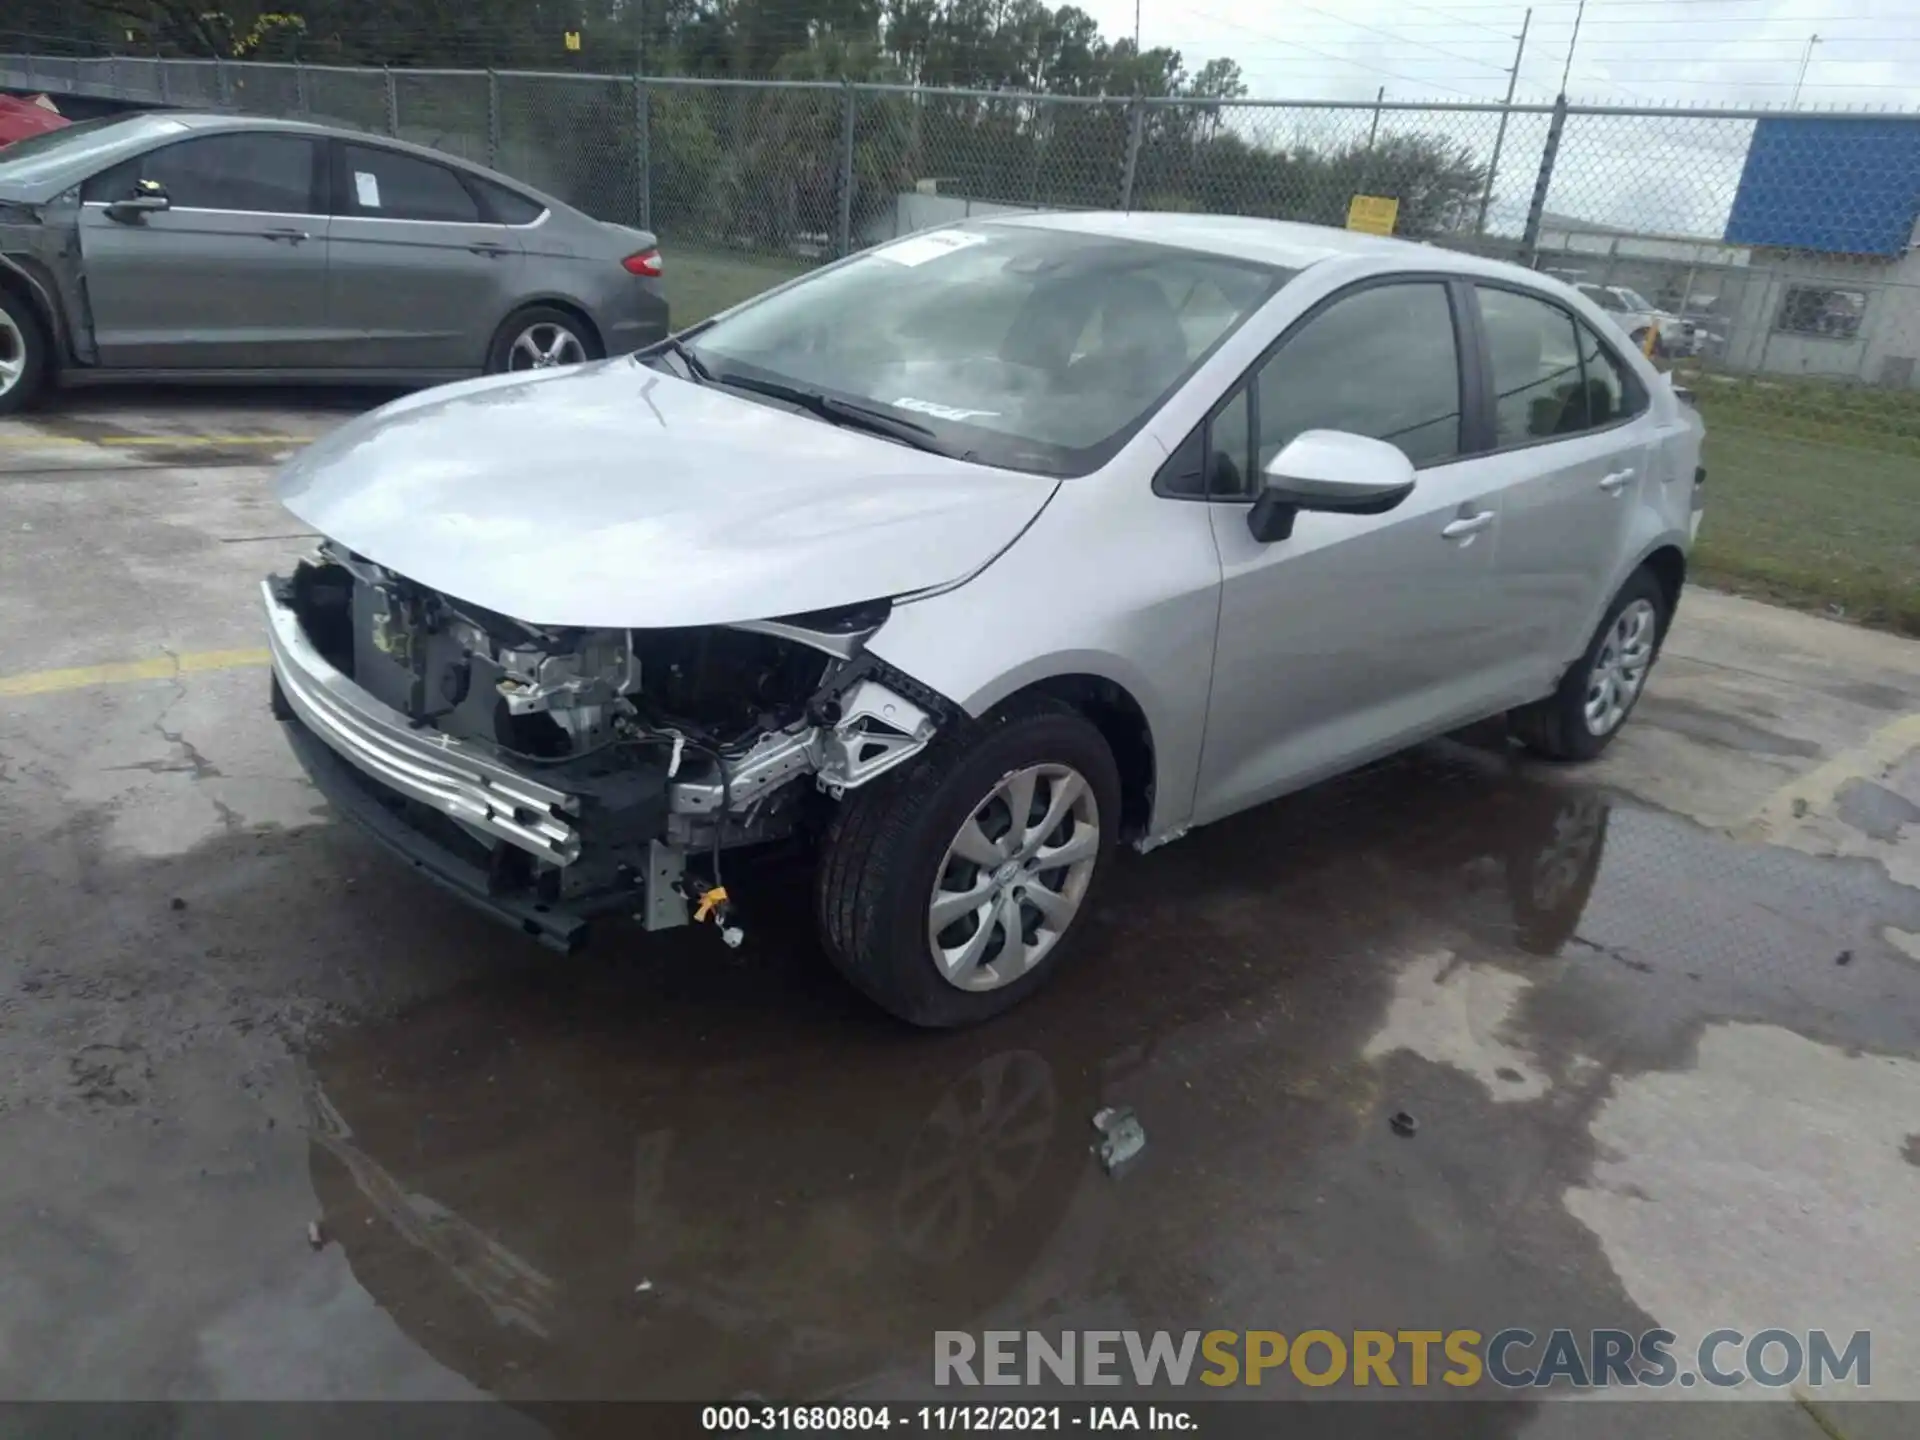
x: 663, y: 748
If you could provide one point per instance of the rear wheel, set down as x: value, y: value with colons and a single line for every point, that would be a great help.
x: 23, y: 353
x: 950, y: 893
x: 541, y: 337
x: 1600, y: 689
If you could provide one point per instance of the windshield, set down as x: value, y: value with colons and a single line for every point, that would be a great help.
x: 54, y: 153
x: 1027, y: 348
x: 1635, y: 300
x: 1605, y: 299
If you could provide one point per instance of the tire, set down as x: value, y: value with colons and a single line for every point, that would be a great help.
x: 23, y: 354
x: 545, y: 326
x: 1558, y: 727
x: 893, y: 840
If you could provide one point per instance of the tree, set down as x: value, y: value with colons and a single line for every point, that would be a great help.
x: 762, y: 167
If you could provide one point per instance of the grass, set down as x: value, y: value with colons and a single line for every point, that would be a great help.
x: 700, y: 283
x: 1813, y: 497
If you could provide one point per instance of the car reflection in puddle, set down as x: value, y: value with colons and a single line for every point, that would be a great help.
x: 693, y: 1177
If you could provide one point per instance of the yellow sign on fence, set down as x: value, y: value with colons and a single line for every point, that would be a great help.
x: 573, y: 39
x: 1374, y: 214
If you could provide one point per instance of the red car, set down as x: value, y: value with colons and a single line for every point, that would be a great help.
x: 20, y: 118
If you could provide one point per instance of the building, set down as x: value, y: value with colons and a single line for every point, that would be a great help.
x: 1816, y: 271
x: 1828, y: 206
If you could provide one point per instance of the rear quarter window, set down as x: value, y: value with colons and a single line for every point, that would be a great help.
x: 504, y: 206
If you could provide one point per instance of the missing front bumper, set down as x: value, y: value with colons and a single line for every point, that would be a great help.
x: 357, y: 799
x: 545, y: 855
x: 424, y: 765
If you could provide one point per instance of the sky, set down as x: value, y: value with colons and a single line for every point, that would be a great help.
x: 1740, y: 52
x: 1666, y: 174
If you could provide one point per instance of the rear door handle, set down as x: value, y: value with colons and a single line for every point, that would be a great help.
x: 1617, y: 481
x: 489, y: 249
x: 295, y: 236
x: 1467, y: 525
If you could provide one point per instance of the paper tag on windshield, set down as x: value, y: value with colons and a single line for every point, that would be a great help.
x: 366, y: 190
x: 919, y: 249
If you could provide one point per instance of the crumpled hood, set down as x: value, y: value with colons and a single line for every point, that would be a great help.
x: 614, y: 495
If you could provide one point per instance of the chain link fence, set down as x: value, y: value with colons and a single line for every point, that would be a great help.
x: 1769, y: 256
x: 1813, y: 278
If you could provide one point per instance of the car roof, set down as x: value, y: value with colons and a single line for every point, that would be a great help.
x: 1286, y: 243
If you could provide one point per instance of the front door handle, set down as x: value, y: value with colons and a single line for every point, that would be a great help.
x: 489, y: 249
x: 1467, y: 525
x: 1617, y: 481
x: 294, y: 236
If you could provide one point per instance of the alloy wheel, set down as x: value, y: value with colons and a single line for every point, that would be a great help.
x: 1620, y: 667
x: 13, y: 353
x: 1012, y: 880
x: 544, y: 346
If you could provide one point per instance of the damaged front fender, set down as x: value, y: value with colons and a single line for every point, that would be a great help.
x: 40, y: 259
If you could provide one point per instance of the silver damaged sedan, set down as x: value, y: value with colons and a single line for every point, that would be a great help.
x: 205, y: 247
x: 964, y: 560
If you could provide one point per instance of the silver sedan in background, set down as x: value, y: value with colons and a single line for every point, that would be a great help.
x: 180, y: 246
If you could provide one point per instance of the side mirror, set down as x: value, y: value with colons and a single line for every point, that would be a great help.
x: 149, y: 197
x: 1333, y: 471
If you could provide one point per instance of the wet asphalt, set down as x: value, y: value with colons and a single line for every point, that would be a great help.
x: 280, y: 1121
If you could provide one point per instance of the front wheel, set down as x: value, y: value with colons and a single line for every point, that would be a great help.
x: 23, y: 353
x: 949, y: 893
x: 1600, y: 689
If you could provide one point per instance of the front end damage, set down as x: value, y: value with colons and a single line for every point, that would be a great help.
x: 551, y: 775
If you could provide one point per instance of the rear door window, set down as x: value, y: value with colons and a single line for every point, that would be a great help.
x: 385, y: 184
x: 1552, y: 375
x: 1610, y: 391
x: 1535, y: 367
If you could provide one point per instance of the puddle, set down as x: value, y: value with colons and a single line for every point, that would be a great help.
x: 808, y: 1192
x: 666, y: 1170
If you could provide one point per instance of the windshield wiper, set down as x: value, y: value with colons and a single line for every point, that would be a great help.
x: 696, y: 367
x: 849, y: 413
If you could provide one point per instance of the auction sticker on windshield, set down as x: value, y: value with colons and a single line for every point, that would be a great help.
x: 918, y: 249
x: 934, y: 407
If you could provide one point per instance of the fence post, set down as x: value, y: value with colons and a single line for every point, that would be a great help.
x: 843, y: 232
x: 493, y: 120
x: 223, y: 82
x: 301, y: 99
x: 1530, y: 237
x: 1136, y: 123
x: 1493, y: 167
x: 643, y: 152
x: 165, y: 67
x: 393, y: 101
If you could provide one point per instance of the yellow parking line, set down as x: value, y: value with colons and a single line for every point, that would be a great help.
x: 161, y: 667
x: 168, y: 440
x: 1817, y: 788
